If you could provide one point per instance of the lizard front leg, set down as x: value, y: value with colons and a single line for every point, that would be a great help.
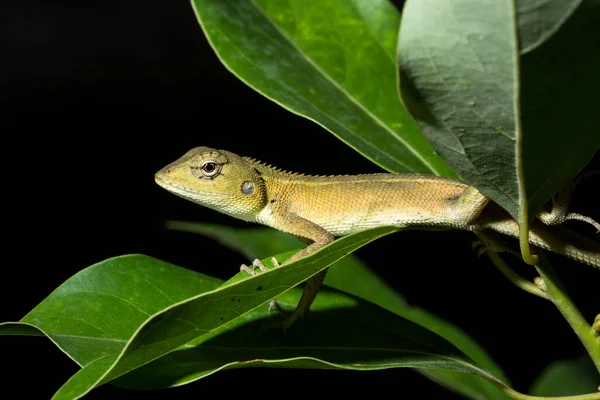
x: 319, y: 237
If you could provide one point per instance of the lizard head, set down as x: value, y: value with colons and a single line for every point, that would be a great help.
x: 216, y: 179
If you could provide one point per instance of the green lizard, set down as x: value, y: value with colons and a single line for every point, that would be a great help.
x: 319, y: 208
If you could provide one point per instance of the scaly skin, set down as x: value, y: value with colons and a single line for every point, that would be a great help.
x: 319, y: 208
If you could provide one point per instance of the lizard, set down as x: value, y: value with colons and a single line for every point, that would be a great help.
x: 318, y: 209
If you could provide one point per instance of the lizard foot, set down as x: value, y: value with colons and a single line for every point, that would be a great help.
x: 289, y: 317
x: 596, y: 325
x: 257, y: 263
x: 308, y: 295
x: 539, y: 282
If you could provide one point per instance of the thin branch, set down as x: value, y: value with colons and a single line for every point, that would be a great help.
x: 515, y: 278
x: 558, y: 295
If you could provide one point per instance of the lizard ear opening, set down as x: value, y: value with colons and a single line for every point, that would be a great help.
x: 248, y: 188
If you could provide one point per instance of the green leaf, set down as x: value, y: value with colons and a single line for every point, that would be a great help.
x: 567, y: 378
x: 560, y: 83
x: 463, y: 70
x: 159, y: 313
x: 459, y: 72
x: 350, y: 275
x: 95, y: 312
x: 465, y: 83
x: 331, y: 61
x: 539, y: 20
x: 343, y: 333
x: 106, y: 319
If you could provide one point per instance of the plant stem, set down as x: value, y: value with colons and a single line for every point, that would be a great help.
x: 512, y: 276
x: 558, y: 295
x: 513, y: 394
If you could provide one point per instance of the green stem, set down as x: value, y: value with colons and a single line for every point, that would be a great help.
x: 513, y: 394
x: 512, y: 276
x: 526, y: 253
x: 523, y: 218
x: 558, y: 295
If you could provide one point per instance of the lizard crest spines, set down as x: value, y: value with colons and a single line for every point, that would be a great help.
x: 280, y: 171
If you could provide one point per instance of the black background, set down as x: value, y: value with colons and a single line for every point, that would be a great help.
x: 98, y: 95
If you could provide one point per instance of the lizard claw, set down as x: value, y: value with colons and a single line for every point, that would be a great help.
x: 257, y: 263
x: 284, y: 324
x: 288, y: 318
x: 260, y: 265
x: 247, y: 269
x: 273, y: 305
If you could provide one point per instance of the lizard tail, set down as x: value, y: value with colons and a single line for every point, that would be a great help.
x: 557, y: 239
x: 562, y: 240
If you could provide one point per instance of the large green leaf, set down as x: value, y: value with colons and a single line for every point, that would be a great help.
x: 352, y: 276
x: 567, y: 378
x: 120, y: 318
x: 342, y: 333
x: 464, y: 81
x: 331, y: 61
x: 459, y: 72
x: 120, y: 315
x: 95, y: 312
x: 539, y: 20
x: 560, y: 83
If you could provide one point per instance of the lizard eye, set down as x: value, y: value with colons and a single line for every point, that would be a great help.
x: 210, y: 168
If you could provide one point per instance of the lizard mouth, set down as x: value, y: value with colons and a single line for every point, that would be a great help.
x: 184, y: 191
x: 174, y: 186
